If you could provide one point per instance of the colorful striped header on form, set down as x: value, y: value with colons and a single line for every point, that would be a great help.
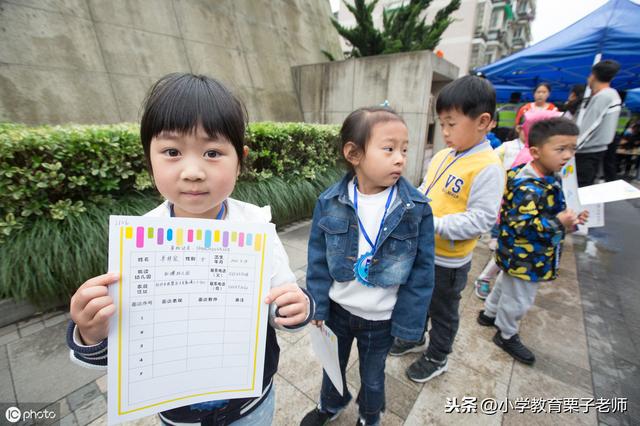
x: 179, y: 236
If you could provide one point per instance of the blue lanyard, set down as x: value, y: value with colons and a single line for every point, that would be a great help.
x: 218, y: 216
x: 437, y: 177
x: 386, y: 207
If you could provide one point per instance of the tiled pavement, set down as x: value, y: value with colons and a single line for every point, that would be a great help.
x: 34, y: 364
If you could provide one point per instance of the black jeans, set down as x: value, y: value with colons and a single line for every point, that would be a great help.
x: 445, y: 318
x: 610, y: 161
x: 587, y: 167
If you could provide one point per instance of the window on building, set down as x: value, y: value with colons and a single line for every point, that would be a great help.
x: 475, y: 53
x: 523, y: 7
x: 480, y: 16
x: 488, y: 58
x: 518, y: 33
x: 496, y: 18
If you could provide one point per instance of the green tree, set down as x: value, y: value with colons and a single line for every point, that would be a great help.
x: 364, y: 37
x: 404, y: 29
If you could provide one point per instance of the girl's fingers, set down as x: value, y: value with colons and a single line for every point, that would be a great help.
x: 105, y: 313
x: 276, y: 292
x: 101, y: 280
x: 295, y: 296
x: 292, y: 310
x: 94, y: 306
x: 289, y: 321
x: 85, y: 295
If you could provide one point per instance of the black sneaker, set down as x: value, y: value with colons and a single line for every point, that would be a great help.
x: 425, y: 369
x: 486, y: 320
x: 515, y: 348
x: 402, y: 347
x: 318, y: 418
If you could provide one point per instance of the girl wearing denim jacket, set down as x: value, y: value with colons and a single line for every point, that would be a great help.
x: 371, y: 257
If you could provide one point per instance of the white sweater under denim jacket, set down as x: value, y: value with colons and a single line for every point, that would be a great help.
x: 95, y: 356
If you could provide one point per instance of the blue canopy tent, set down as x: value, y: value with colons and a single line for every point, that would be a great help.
x: 504, y: 91
x: 632, y: 101
x: 565, y: 58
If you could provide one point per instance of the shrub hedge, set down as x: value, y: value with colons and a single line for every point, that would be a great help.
x: 54, y: 172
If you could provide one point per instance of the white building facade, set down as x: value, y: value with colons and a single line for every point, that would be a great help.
x: 483, y: 31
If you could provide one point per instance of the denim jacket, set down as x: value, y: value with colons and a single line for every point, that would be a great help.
x: 404, y: 255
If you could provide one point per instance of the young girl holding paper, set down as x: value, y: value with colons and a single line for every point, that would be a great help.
x: 371, y: 254
x: 192, y: 134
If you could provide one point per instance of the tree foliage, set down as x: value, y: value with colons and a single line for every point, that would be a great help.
x: 404, y: 28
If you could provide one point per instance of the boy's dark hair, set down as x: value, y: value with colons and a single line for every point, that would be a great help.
x: 604, y: 71
x: 547, y: 85
x: 470, y: 95
x: 357, y: 126
x: 544, y: 129
x: 180, y: 101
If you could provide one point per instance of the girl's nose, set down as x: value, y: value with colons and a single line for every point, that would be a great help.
x: 192, y: 172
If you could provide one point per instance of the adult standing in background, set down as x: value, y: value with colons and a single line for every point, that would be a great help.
x: 570, y: 108
x: 598, y: 122
x: 540, y: 96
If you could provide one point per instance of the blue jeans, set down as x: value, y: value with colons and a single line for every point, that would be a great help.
x: 261, y: 416
x: 374, y: 341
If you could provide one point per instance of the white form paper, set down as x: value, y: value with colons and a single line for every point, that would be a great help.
x: 190, y: 322
x: 596, y: 215
x: 608, y: 192
x: 325, y: 346
x: 570, y: 186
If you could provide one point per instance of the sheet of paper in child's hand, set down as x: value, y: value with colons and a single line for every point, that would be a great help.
x: 325, y: 346
x: 190, y: 322
x: 596, y: 215
x: 607, y: 192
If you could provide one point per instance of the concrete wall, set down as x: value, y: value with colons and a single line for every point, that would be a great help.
x: 92, y: 61
x: 329, y: 91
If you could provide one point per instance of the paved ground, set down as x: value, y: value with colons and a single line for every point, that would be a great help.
x: 608, y: 271
x: 34, y: 364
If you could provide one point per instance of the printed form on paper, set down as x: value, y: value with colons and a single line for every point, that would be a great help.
x: 190, y: 324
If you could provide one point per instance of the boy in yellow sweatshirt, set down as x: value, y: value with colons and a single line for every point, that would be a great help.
x: 465, y: 183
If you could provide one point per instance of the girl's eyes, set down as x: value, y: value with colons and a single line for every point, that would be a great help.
x: 390, y: 149
x: 171, y: 152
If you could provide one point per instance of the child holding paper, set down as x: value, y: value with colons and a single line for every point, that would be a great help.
x: 533, y: 221
x: 512, y: 154
x: 370, y: 266
x: 192, y: 132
